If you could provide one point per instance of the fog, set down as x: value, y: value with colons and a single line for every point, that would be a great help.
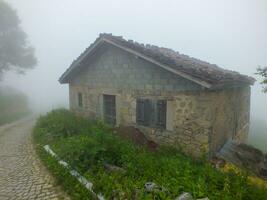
x: 231, y: 34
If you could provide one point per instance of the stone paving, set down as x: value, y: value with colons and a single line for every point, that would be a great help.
x: 22, y: 175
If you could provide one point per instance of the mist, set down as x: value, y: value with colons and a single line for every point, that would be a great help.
x: 231, y: 34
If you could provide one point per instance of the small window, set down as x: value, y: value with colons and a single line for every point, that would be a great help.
x: 151, y: 113
x: 109, y: 103
x: 161, y: 114
x: 140, y: 111
x: 80, y: 99
x: 143, y: 111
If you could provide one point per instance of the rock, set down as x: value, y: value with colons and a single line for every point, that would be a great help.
x: 249, y: 148
x: 113, y: 168
x: 135, y: 194
x: 150, y: 187
x: 117, y: 194
x: 246, y: 157
x: 201, y: 138
x: 185, y: 196
x: 249, y: 154
x: 218, y: 162
x: 204, y: 198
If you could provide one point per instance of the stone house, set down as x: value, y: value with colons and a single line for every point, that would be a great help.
x: 172, y: 98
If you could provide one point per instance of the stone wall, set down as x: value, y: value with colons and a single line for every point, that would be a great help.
x: 231, y: 116
x: 198, y: 121
x: 243, y: 101
x: 189, y: 122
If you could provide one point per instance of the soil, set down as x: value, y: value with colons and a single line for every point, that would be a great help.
x: 136, y: 136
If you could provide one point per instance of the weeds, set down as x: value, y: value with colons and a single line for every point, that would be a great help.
x: 87, y: 145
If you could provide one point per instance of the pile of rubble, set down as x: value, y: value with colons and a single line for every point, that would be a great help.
x: 246, y: 157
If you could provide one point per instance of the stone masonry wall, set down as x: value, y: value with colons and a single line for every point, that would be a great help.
x: 191, y: 120
x: 231, y: 116
x: 193, y: 114
x: 243, y: 100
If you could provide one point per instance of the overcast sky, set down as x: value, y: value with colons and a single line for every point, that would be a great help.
x: 231, y: 34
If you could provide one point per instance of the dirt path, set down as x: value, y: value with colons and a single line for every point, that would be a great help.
x: 22, y: 176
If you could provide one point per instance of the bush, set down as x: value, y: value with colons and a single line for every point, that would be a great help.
x: 87, y: 145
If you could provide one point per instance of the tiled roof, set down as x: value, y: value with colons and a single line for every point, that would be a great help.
x: 195, y: 68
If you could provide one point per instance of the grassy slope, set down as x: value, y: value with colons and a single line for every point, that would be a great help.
x: 87, y: 145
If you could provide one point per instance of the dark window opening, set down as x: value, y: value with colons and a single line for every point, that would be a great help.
x: 80, y: 99
x: 143, y: 110
x: 140, y: 111
x: 109, y: 102
x: 161, y: 114
x: 151, y: 113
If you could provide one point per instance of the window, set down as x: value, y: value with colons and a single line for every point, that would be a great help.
x: 140, y: 111
x: 80, y: 99
x: 143, y: 109
x: 151, y: 113
x: 161, y: 114
x: 109, y: 109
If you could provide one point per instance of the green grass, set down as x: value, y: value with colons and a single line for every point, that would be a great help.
x: 68, y: 182
x: 87, y: 145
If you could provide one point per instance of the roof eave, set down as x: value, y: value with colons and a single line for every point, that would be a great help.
x: 231, y: 84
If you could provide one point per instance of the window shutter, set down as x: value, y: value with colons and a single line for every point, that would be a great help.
x: 148, y: 112
x: 151, y: 113
x: 140, y: 111
x: 143, y: 112
x: 80, y: 99
x: 109, y: 108
x: 161, y: 114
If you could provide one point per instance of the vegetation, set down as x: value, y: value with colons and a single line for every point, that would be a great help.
x: 13, y: 106
x: 88, y: 145
x: 15, y: 53
x: 263, y: 72
x: 71, y: 185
